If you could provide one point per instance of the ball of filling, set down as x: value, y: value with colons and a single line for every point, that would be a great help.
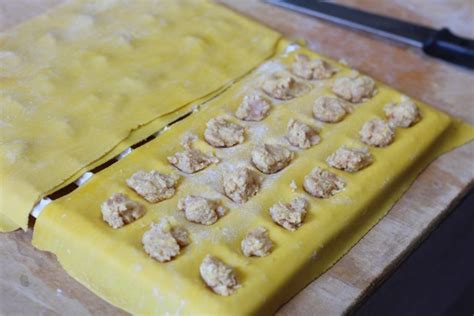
x: 316, y: 69
x: 350, y: 159
x: 271, y: 158
x: 354, y: 89
x: 253, y: 108
x: 257, y: 243
x: 201, y: 210
x: 241, y: 184
x: 153, y: 186
x: 191, y: 160
x: 284, y: 87
x: 223, y: 133
x: 119, y: 210
x: 323, y: 184
x: 289, y: 215
x: 330, y: 109
x: 218, y: 276
x: 302, y: 135
x: 404, y: 114
x: 163, y: 242
x: 377, y: 133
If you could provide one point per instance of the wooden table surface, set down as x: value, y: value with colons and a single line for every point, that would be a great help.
x: 33, y: 283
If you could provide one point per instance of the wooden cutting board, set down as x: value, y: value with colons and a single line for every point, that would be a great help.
x: 32, y: 282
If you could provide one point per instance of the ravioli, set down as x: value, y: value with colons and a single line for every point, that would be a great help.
x: 330, y: 227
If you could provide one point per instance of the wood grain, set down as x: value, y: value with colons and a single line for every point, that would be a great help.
x: 33, y: 283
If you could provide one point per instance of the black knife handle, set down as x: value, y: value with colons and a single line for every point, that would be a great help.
x: 445, y: 45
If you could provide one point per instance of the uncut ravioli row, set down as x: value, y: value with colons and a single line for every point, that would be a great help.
x: 164, y: 240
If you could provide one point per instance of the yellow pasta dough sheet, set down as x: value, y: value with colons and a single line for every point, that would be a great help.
x: 113, y: 263
x: 135, y: 136
x: 75, y: 82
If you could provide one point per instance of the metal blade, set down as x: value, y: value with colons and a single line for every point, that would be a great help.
x: 404, y: 32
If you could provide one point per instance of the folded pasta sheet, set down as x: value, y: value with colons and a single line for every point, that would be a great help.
x: 236, y: 208
x: 75, y: 82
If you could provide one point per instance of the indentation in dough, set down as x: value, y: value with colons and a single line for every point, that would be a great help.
x: 194, y: 43
x: 223, y: 133
x: 164, y: 22
x: 253, y: 108
x: 271, y: 158
x: 405, y: 114
x: 302, y: 135
x: 122, y: 38
x: 148, y: 18
x: 330, y: 109
x: 218, y: 276
x: 163, y: 241
x: 316, y: 69
x: 5, y: 124
x: 16, y: 105
x: 354, y: 89
x: 44, y: 50
x: 350, y: 159
x: 119, y: 210
x: 118, y: 101
x: 377, y: 133
x: 290, y: 215
x: 257, y: 243
x: 153, y: 186
x: 95, y: 7
x: 8, y: 61
x: 201, y: 210
x: 284, y: 87
x: 15, y: 151
x: 241, y: 184
x: 66, y: 126
x: 323, y: 184
x: 48, y: 41
x: 80, y: 26
x: 191, y: 160
x: 131, y: 85
x: 99, y: 61
x: 43, y: 86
